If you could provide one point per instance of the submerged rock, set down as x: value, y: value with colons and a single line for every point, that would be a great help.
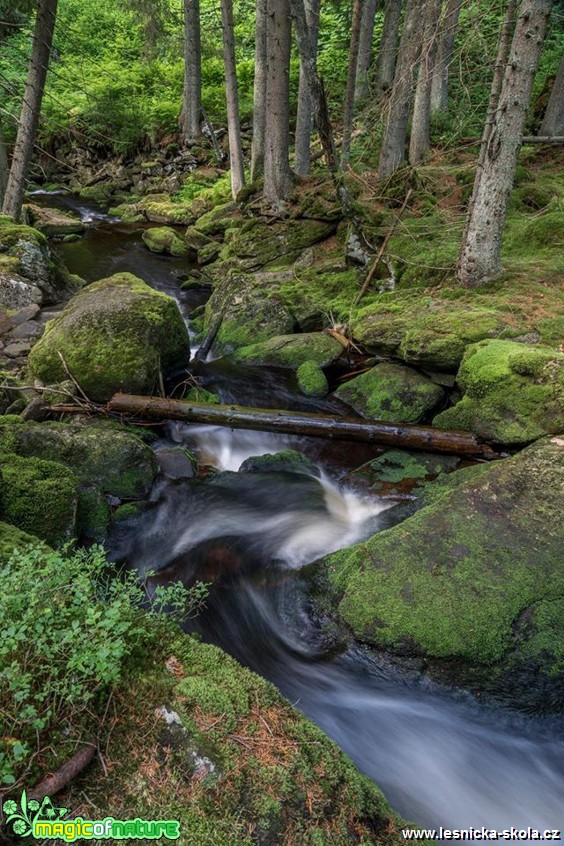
x: 391, y: 392
x: 292, y: 351
x: 465, y: 582
x: 513, y: 392
x: 116, y: 334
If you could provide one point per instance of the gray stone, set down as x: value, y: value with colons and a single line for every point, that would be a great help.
x: 17, y: 349
x: 29, y: 329
x: 24, y: 314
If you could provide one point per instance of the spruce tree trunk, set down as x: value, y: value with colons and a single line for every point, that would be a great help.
x: 304, y: 117
x: 553, y: 121
x: 445, y: 46
x: 395, y: 133
x: 370, y: 7
x: 3, y: 165
x: 233, y: 122
x: 31, y: 106
x: 387, y: 54
x: 348, y: 109
x: 419, y: 144
x: 480, y: 257
x: 277, y: 174
x: 192, y: 94
x: 259, y: 92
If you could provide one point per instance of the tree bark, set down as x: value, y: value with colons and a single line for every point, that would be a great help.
x: 3, y: 165
x: 277, y: 174
x: 31, y: 106
x: 259, y: 92
x: 419, y: 143
x: 304, y: 117
x: 445, y: 46
x: 395, y: 133
x: 192, y: 94
x: 233, y: 122
x: 365, y: 50
x: 348, y: 109
x: 553, y: 121
x: 300, y: 423
x: 480, y: 257
x: 387, y: 54
x: 315, y: 84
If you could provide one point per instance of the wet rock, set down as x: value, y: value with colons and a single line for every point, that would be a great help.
x: 292, y: 351
x: 398, y: 473
x: 116, y: 334
x: 391, y: 392
x: 451, y: 582
x: 163, y: 239
x: 513, y: 392
x: 287, y: 461
x: 176, y: 463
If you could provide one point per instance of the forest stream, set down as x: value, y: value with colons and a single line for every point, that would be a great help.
x: 441, y: 757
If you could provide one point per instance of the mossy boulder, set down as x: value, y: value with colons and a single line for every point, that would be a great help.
x: 287, y: 461
x: 39, y: 497
x: 116, y: 334
x: 513, y: 392
x: 312, y: 381
x: 162, y: 210
x: 163, y: 239
x: 219, y: 219
x: 248, y: 315
x: 117, y: 462
x: 391, y: 392
x: 53, y: 222
x: 292, y: 351
x: 456, y: 582
x: 399, y: 472
x: 12, y: 538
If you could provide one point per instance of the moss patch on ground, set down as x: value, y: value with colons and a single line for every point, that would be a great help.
x: 513, y: 393
x: 116, y: 334
x: 451, y: 581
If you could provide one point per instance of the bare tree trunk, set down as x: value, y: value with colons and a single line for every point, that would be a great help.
x: 419, y: 143
x: 3, y: 165
x: 277, y: 174
x: 304, y: 117
x: 480, y: 256
x: 369, y: 10
x: 233, y: 122
x: 393, y: 141
x: 348, y: 109
x: 386, y: 62
x: 439, y: 88
x: 553, y: 121
x: 192, y: 94
x: 315, y: 84
x: 31, y: 106
x: 259, y: 92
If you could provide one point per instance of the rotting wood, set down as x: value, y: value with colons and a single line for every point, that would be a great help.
x: 202, y: 352
x: 56, y: 781
x: 401, y: 435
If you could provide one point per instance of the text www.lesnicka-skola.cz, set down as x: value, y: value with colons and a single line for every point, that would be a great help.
x: 482, y: 833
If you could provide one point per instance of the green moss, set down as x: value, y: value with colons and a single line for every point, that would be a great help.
x: 312, y: 380
x: 425, y: 249
x: 130, y: 509
x: 541, y: 634
x: 117, y: 462
x: 163, y: 211
x: 219, y: 219
x: 391, y: 392
x: 162, y: 239
x: 202, y: 395
x: 11, y: 539
x: 116, y: 334
x: 12, y: 233
x: 292, y: 351
x: 400, y: 471
x: 93, y: 515
x: 99, y: 193
x: 451, y: 580
x: 287, y: 461
x: 513, y: 393
x: 545, y: 230
x: 39, y: 497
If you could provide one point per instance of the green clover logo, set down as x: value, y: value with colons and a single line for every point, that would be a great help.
x: 22, y: 818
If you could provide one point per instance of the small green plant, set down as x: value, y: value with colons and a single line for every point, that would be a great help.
x: 71, y: 632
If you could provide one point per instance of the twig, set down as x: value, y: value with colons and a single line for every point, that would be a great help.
x: 382, y: 249
x: 71, y: 377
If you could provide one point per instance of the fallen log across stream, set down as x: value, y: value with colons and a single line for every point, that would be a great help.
x: 401, y: 435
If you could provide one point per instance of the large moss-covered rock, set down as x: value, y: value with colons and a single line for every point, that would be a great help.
x: 460, y: 580
x: 249, y: 314
x: 117, y: 462
x: 163, y: 239
x: 54, y: 222
x: 391, y: 392
x: 312, y: 381
x: 513, y: 393
x: 160, y: 209
x: 116, y: 334
x: 11, y: 539
x: 292, y: 351
x: 40, y: 497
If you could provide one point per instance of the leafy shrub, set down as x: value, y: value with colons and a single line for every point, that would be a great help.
x: 71, y: 632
